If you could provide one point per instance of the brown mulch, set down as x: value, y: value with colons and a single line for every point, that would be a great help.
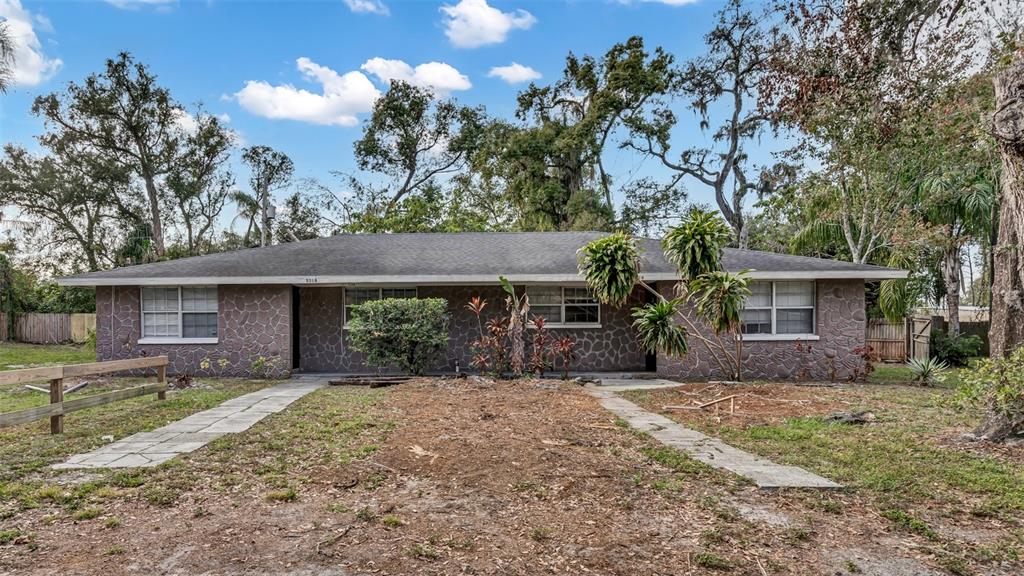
x: 509, y: 478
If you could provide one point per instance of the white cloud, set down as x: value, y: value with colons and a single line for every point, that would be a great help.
x: 473, y: 23
x: 514, y: 73
x: 343, y: 96
x: 368, y: 7
x: 135, y: 4
x: 30, y: 67
x: 438, y: 76
x: 189, y: 123
x: 185, y: 121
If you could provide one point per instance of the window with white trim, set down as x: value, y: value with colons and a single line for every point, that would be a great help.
x: 779, y: 308
x: 186, y: 312
x: 357, y: 296
x: 564, y: 306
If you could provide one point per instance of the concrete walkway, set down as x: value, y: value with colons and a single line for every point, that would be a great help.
x: 712, y: 451
x: 193, y: 432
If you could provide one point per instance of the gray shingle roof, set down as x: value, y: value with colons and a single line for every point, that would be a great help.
x: 440, y: 257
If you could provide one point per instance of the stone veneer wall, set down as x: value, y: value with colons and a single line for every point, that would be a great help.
x: 841, y: 327
x: 324, y: 347
x: 252, y: 321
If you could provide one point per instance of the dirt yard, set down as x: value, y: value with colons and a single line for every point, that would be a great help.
x: 456, y: 477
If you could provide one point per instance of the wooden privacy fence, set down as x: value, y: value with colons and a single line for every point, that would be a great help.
x: 35, y: 328
x: 898, y: 341
x: 58, y: 407
x: 888, y: 339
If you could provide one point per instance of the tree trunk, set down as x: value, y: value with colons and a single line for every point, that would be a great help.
x: 154, y: 215
x: 515, y: 333
x: 1007, y: 329
x: 951, y: 276
x: 265, y: 218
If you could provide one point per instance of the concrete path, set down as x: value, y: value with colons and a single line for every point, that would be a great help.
x: 712, y: 451
x: 193, y: 432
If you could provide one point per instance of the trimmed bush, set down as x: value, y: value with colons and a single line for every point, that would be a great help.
x: 405, y: 332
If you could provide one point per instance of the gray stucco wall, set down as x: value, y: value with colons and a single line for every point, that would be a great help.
x: 840, y: 325
x: 253, y: 321
x: 324, y: 348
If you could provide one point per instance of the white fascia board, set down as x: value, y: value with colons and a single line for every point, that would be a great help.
x: 454, y: 280
x: 884, y: 274
x: 435, y: 280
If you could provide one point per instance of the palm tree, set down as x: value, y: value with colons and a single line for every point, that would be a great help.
x: 250, y: 209
x: 611, y: 268
x: 959, y: 202
x: 6, y: 57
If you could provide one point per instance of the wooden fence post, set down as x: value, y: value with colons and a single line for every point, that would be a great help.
x: 57, y: 396
x: 161, y: 378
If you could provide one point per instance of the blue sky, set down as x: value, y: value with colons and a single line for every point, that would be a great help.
x: 299, y: 76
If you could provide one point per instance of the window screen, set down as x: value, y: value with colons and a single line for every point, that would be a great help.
x: 186, y: 312
x: 779, y: 308
x: 356, y: 296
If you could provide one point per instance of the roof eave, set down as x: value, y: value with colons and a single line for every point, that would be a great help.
x: 462, y: 279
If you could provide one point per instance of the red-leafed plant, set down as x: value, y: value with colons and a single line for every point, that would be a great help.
x: 539, y: 359
x: 565, y: 348
x: 867, y: 357
x: 497, y: 329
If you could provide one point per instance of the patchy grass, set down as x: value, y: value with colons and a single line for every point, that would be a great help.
x: 711, y: 561
x: 289, y: 495
x: 902, y: 374
x: 26, y: 451
x: 14, y: 355
x: 902, y: 457
x: 273, y: 460
x: 904, y: 465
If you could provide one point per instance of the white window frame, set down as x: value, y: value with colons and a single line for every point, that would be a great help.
x: 774, y: 310
x: 563, y: 323
x: 380, y: 296
x: 180, y: 339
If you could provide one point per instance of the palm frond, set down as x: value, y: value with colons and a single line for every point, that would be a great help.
x: 611, y: 267
x: 816, y: 235
x: 695, y: 246
x: 657, y: 329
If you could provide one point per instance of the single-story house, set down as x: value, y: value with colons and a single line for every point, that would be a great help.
x: 283, y: 308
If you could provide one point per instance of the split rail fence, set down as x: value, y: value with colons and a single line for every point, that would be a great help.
x: 58, y: 406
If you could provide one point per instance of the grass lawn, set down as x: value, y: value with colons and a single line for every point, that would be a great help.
x: 908, y: 463
x: 28, y: 449
x: 14, y: 355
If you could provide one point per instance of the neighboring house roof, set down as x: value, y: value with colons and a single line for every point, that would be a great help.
x: 441, y: 258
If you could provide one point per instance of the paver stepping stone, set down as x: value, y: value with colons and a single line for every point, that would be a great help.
x: 704, y: 448
x: 145, y: 449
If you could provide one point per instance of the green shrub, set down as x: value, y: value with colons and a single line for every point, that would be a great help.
x: 955, y: 351
x: 997, y: 385
x: 408, y: 332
